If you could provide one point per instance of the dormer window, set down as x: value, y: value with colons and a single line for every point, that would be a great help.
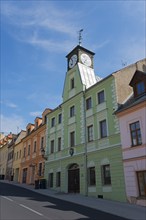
x: 140, y: 88
x: 138, y: 83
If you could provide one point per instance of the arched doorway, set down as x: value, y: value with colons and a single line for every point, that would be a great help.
x: 74, y: 178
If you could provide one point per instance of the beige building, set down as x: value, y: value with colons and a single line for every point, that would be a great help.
x: 4, y: 141
x: 18, y: 156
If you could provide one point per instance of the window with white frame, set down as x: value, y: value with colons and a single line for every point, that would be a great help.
x: 103, y: 128
x: 72, y: 139
x: 106, y: 175
x: 135, y: 133
x: 72, y: 111
x: 50, y: 180
x: 40, y: 170
x: 52, y: 146
x: 140, y: 88
x: 28, y: 149
x: 72, y: 83
x: 53, y: 122
x: 141, y: 177
x: 59, y: 144
x: 58, y: 179
x: 24, y: 152
x: 100, y: 97
x: 59, y: 118
x: 90, y: 133
x: 42, y: 142
x: 91, y: 176
x: 34, y: 147
x: 88, y: 103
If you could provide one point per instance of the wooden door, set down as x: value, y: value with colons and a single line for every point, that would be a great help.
x: 74, y: 180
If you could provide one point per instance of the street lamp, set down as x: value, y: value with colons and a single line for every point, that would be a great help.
x: 43, y: 154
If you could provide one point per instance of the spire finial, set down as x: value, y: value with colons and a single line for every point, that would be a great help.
x: 80, y: 36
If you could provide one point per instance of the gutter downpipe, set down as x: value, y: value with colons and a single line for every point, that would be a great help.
x: 85, y: 144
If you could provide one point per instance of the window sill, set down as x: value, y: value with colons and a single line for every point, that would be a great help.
x: 136, y: 145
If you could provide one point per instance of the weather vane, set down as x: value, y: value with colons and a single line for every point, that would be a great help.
x: 80, y: 36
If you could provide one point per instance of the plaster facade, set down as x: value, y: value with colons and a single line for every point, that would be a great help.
x: 77, y: 166
x: 132, y: 120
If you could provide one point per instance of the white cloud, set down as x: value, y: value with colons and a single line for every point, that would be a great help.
x: 100, y: 45
x: 49, y: 45
x: 9, y: 104
x: 13, y: 123
x: 38, y: 19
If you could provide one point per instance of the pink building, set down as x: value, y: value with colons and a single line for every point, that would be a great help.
x: 132, y: 119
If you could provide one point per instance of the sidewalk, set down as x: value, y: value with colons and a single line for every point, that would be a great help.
x: 125, y: 210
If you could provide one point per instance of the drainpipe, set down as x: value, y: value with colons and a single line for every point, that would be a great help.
x: 85, y: 145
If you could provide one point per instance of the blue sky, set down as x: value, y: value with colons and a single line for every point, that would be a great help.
x: 36, y: 36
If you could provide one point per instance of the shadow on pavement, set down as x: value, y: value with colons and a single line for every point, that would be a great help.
x: 58, y: 204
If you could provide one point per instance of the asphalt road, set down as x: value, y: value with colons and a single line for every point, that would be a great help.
x: 17, y: 203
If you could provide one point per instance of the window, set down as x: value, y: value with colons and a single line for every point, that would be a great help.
x: 52, y: 146
x: 59, y: 144
x: 100, y: 97
x: 40, y: 169
x: 90, y: 133
x: 103, y: 129
x: 72, y: 83
x: 106, y: 174
x: 45, y: 121
x: 72, y: 139
x: 51, y: 180
x: 91, y: 176
x: 59, y: 118
x: 20, y: 154
x: 141, y: 176
x: 28, y: 149
x: 42, y: 142
x: 24, y: 152
x: 53, y: 122
x: 37, y: 124
x: 72, y: 111
x: 58, y: 179
x: 135, y: 133
x: 140, y: 88
x: 88, y: 103
x: 34, y: 147
x: 28, y: 131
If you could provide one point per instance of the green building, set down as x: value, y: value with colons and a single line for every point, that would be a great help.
x: 83, y: 141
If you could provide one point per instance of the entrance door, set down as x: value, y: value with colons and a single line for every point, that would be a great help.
x: 24, y: 175
x: 74, y: 179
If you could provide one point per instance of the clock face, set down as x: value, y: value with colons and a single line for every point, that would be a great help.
x: 72, y: 61
x: 85, y: 59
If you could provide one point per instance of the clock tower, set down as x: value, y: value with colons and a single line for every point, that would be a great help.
x: 80, y: 55
x: 80, y: 72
